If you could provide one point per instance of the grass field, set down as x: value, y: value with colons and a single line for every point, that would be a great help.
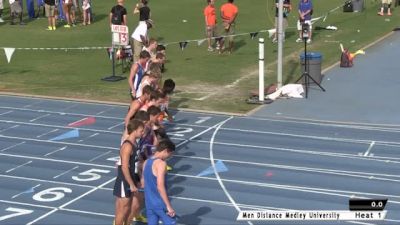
x: 221, y: 81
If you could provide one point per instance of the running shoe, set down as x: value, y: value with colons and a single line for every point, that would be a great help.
x: 140, y: 218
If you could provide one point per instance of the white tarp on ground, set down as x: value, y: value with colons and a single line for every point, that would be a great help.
x: 289, y: 90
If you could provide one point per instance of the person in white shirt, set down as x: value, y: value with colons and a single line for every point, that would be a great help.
x: 139, y: 37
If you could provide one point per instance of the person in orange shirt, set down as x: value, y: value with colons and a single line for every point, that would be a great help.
x: 211, y: 21
x: 229, y: 13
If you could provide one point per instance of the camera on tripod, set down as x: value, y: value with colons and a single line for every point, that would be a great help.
x: 305, y: 31
x: 305, y: 34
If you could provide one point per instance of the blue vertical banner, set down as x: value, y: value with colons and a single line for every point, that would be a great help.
x: 30, y: 6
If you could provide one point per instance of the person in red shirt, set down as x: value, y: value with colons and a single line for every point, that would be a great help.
x: 229, y: 13
x: 211, y: 21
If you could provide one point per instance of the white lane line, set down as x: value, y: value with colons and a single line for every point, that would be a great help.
x: 307, y: 169
x: 250, y: 207
x: 87, y: 212
x: 93, y: 135
x: 369, y: 149
x: 364, y: 126
x: 12, y: 146
x: 70, y: 202
x: 26, y: 204
x: 25, y: 191
x: 4, y: 113
x: 311, y: 122
x: 75, y: 122
x: 59, y: 142
x: 228, y: 204
x: 46, y: 181
x: 32, y: 104
x: 360, y: 141
x: 65, y: 172
x: 376, y: 158
x: 99, y: 156
x: 57, y: 150
x: 49, y: 132
x: 199, y: 134
x: 9, y: 128
x: 69, y: 107
x: 323, y: 191
x: 221, y: 184
x: 60, y: 113
x: 24, y: 164
x: 101, y: 112
x: 256, y: 207
x: 311, y: 152
x: 56, y: 160
x: 345, y: 124
x: 362, y: 223
x: 324, y: 138
x: 117, y: 125
x: 396, y: 144
x: 57, y: 126
x: 40, y: 117
x: 43, y: 216
x: 52, y: 131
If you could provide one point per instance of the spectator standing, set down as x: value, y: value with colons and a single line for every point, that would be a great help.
x: 40, y: 8
x: 59, y: 11
x: 50, y: 6
x: 86, y: 12
x: 386, y: 4
x: 211, y: 21
x: 305, y: 10
x: 1, y: 11
x: 140, y: 38
x: 30, y: 7
x: 229, y: 12
x: 158, y: 206
x: 287, y: 7
x: 16, y: 11
x: 143, y: 9
x: 72, y: 15
x: 67, y: 6
x: 118, y: 14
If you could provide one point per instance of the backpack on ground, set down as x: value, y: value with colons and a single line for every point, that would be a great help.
x: 345, y: 59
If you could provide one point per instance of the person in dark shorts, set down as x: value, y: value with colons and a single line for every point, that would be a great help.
x: 128, y: 181
x: 50, y: 6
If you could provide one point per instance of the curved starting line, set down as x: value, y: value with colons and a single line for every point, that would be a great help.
x: 215, y: 169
